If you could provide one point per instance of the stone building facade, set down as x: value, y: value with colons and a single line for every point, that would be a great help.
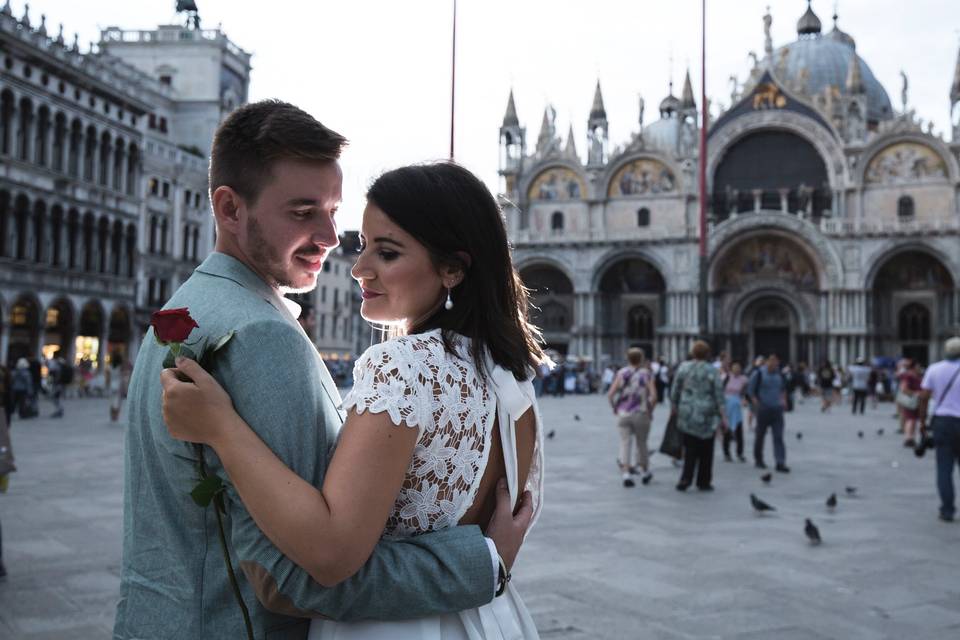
x: 834, y: 219
x: 103, y: 186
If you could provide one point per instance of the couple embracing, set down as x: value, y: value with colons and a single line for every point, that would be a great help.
x: 401, y: 521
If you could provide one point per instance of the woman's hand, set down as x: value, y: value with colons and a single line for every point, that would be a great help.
x: 195, y: 406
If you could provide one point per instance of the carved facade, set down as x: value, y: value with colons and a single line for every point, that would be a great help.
x: 103, y: 186
x: 834, y: 220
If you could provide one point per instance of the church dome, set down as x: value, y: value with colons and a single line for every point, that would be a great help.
x: 821, y: 61
x: 664, y: 134
x: 669, y: 105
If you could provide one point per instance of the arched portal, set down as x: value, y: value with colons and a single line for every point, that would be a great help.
x: 58, y: 328
x: 90, y: 331
x: 551, y: 303
x: 771, y: 169
x: 24, y: 329
x: 913, y: 300
x: 631, y: 307
x: 118, y: 334
x: 770, y: 325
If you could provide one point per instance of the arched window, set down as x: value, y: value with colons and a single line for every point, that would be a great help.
x: 639, y: 323
x: 643, y: 217
x: 554, y: 316
x: 905, y: 209
x: 914, y: 323
x: 556, y: 222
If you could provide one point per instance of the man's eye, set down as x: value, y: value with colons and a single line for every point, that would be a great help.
x: 301, y: 214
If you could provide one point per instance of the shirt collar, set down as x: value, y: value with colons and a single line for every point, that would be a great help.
x: 225, y: 266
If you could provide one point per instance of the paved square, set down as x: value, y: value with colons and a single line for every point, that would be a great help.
x: 603, y: 562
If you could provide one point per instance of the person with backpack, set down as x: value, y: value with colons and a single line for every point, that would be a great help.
x: 941, y: 383
x: 734, y: 385
x: 768, y: 394
x: 633, y: 396
x: 24, y: 393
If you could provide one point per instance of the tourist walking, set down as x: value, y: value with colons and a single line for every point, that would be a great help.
x: 697, y: 400
x: 55, y: 376
x: 6, y: 392
x: 768, y: 397
x: 908, y: 399
x: 941, y: 383
x: 632, y: 396
x: 825, y: 377
x: 116, y: 384
x: 734, y: 385
x: 860, y: 375
x: 24, y: 392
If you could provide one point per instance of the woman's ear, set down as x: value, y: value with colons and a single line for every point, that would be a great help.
x: 451, y: 275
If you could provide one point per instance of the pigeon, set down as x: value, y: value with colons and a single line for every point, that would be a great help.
x: 813, y: 534
x: 576, y: 417
x: 767, y: 477
x: 759, y: 505
x: 832, y: 501
x: 879, y: 432
x: 551, y: 433
x: 799, y: 436
x: 851, y: 491
x: 859, y: 434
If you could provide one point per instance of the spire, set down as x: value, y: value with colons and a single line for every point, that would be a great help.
x: 809, y: 23
x: 571, y: 148
x: 670, y: 104
x: 767, y: 39
x: 686, y: 98
x: 855, y: 76
x: 597, y: 112
x: 955, y: 88
x: 510, y: 117
x: 841, y: 36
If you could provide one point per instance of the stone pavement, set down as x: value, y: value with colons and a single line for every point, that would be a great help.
x: 603, y: 561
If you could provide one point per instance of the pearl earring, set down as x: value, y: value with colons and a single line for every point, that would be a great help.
x: 449, y: 303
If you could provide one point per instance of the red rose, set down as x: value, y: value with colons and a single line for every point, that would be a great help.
x: 172, y: 325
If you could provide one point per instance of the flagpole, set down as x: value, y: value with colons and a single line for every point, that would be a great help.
x: 702, y: 315
x: 453, y: 77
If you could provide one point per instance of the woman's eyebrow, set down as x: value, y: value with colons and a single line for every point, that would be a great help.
x: 390, y: 240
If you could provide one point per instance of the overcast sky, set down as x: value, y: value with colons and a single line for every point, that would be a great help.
x: 378, y: 71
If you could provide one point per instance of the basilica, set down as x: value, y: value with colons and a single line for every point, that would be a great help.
x: 833, y: 217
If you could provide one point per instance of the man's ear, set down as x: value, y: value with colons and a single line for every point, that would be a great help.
x: 226, y: 208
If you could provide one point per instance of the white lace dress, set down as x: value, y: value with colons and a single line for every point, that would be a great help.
x: 419, y: 385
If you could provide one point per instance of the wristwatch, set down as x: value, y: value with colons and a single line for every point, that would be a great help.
x: 503, y: 577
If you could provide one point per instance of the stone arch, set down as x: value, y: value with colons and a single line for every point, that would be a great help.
x: 90, y: 146
x: 119, y: 332
x: 41, y: 135
x: 60, y: 141
x: 75, y: 148
x: 634, y: 253
x: 116, y: 247
x: 119, y: 156
x: 630, y: 170
x: 59, y: 327
x: 823, y: 252
x: 21, y: 221
x: 6, y: 215
x: 824, y: 140
x: 24, y: 327
x: 39, y: 248
x: 895, y: 247
x: 131, y: 249
x: 551, y: 301
x: 87, y: 239
x: 90, y: 331
x: 103, y: 243
x: 884, y: 143
x: 74, y: 231
x: 57, y: 223
x: 133, y: 169
x: 103, y: 166
x: 624, y: 283
x: 765, y: 256
x: 25, y: 128
x: 558, y: 180
x: 8, y: 108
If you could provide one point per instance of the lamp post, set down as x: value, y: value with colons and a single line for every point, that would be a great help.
x: 702, y: 311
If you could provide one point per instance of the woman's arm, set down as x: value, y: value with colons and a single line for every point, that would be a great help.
x: 329, y: 532
x: 617, y: 383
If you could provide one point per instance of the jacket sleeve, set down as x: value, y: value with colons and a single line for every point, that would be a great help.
x: 267, y: 371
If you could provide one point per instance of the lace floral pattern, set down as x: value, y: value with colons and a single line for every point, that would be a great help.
x: 417, y: 383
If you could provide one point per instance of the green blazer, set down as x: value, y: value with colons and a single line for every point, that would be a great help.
x: 173, y: 583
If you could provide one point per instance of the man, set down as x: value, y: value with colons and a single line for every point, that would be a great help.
x: 860, y: 384
x: 942, y: 383
x: 275, y: 186
x: 769, y: 399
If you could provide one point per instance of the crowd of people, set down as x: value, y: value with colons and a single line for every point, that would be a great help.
x: 711, y: 399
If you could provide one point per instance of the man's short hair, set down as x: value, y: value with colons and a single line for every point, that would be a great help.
x: 952, y: 347
x: 256, y: 135
x: 636, y: 356
x: 700, y: 350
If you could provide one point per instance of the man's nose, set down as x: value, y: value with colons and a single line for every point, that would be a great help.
x: 326, y: 234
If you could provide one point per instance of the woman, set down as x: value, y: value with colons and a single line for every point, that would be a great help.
x: 697, y: 399
x: 21, y: 384
x: 632, y: 396
x: 825, y: 379
x: 456, y: 379
x: 908, y: 400
x: 116, y: 385
x: 733, y: 394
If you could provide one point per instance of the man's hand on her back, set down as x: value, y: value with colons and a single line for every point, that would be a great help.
x: 506, y: 529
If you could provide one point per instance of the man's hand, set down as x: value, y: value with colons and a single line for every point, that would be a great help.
x: 506, y: 529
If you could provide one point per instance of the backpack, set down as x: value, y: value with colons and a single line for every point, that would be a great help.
x: 633, y: 387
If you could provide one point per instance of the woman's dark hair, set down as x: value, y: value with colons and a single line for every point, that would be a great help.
x: 452, y: 213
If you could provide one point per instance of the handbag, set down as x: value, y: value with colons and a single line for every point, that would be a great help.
x: 907, y: 401
x: 6, y: 448
x: 672, y: 443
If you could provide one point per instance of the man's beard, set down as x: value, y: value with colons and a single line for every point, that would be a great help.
x: 267, y: 259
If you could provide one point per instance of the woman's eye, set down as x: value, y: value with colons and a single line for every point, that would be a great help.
x: 387, y: 255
